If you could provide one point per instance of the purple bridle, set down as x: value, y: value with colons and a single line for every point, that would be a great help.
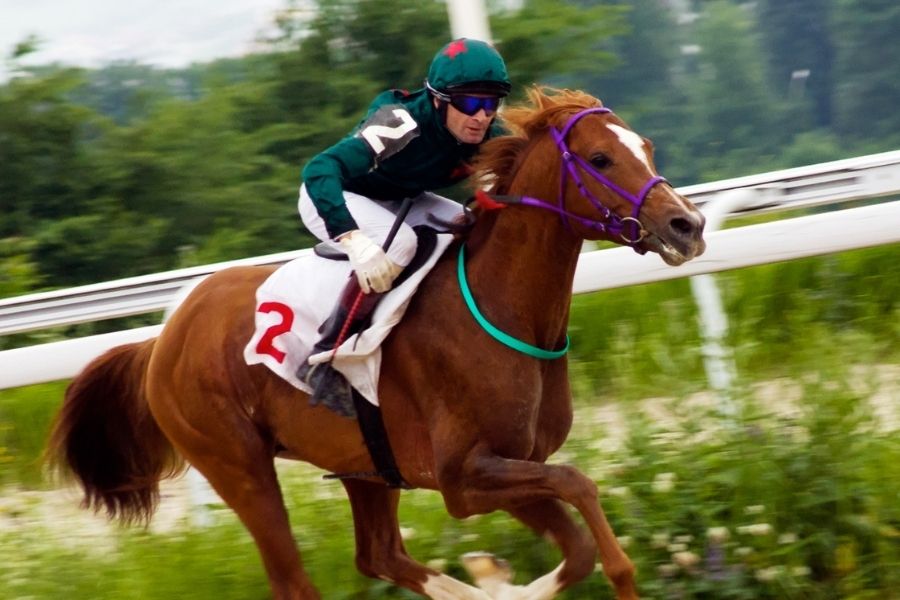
x: 609, y: 221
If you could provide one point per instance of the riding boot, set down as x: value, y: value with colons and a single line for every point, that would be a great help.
x: 330, y: 387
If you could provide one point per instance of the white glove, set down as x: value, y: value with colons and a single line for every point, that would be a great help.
x: 374, y: 270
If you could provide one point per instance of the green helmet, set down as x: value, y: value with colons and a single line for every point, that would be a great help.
x: 466, y: 65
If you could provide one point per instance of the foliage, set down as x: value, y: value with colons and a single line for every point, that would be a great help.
x: 800, y: 56
x: 42, y: 160
x: 770, y: 308
x: 791, y: 498
x: 17, y: 273
x: 775, y: 506
x: 866, y: 84
x: 25, y: 417
x: 561, y: 43
x: 731, y: 108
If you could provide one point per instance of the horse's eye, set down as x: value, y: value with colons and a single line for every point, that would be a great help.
x: 600, y: 161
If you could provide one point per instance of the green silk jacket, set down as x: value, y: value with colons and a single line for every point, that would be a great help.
x: 400, y: 149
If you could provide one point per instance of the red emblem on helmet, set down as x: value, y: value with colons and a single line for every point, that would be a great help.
x: 454, y: 48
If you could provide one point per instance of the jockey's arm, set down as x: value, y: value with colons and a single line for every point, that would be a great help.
x: 325, y: 175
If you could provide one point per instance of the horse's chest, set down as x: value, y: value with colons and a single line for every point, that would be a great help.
x: 527, y: 420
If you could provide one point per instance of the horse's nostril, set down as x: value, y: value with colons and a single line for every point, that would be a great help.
x: 682, y: 226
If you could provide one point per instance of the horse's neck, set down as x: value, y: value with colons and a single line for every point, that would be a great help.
x: 526, y: 260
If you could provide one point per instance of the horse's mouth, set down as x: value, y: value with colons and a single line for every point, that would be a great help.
x: 669, y: 253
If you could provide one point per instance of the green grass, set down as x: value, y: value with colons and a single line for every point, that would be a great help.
x: 25, y: 418
x: 808, y: 502
x: 795, y: 497
x: 633, y: 342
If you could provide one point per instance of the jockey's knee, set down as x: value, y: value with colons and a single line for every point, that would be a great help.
x: 403, y: 248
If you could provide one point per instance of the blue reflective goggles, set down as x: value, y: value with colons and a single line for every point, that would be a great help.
x: 470, y: 105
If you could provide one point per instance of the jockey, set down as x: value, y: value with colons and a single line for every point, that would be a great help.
x: 407, y: 145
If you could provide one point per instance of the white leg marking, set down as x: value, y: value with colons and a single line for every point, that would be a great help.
x: 542, y: 588
x: 444, y: 587
x: 490, y: 573
x: 498, y: 586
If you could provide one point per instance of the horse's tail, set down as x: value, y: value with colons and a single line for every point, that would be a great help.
x: 107, y: 438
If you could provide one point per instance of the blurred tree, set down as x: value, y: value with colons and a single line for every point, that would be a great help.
x: 645, y: 54
x: 643, y: 85
x: 45, y: 166
x: 18, y: 274
x: 732, y: 113
x: 28, y: 45
x: 867, y: 92
x: 799, y: 51
x: 189, y: 164
x: 129, y: 169
x: 104, y: 243
x: 125, y: 91
x: 557, y: 43
x: 391, y: 43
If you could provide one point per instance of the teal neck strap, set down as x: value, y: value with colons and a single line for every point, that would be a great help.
x: 503, y: 338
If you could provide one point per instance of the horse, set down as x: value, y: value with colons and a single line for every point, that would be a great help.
x: 465, y: 415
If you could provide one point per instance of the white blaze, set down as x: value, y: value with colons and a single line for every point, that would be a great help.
x: 632, y: 141
x: 635, y: 143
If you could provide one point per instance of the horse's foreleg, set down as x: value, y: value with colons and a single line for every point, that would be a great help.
x: 379, y: 548
x: 484, y: 483
x: 550, y: 519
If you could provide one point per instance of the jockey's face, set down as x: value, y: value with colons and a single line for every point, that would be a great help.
x: 465, y: 128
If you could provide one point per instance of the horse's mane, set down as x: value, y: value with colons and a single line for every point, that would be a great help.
x: 497, y: 160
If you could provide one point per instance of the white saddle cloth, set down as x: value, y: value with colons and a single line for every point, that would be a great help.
x: 298, y: 297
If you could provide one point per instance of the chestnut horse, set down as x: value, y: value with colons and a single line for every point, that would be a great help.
x: 466, y: 415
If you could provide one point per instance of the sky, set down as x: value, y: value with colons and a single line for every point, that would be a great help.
x: 166, y: 33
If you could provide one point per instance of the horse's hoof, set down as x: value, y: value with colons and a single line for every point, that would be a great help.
x: 483, y: 566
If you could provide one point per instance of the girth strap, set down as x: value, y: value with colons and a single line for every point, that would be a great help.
x: 371, y: 425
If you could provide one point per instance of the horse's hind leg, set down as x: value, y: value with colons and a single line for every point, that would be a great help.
x: 239, y: 464
x: 254, y: 494
x: 379, y: 548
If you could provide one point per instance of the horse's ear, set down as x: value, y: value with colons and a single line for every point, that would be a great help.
x: 540, y: 97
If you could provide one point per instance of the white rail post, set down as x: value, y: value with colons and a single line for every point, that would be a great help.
x: 718, y: 359
x: 468, y: 18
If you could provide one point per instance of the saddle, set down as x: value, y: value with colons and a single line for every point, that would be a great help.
x: 299, y: 296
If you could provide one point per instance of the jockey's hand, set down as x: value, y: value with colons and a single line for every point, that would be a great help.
x: 374, y: 270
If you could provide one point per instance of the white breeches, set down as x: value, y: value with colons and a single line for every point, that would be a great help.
x: 375, y: 219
